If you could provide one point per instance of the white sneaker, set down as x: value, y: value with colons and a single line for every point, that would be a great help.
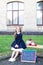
x: 12, y: 59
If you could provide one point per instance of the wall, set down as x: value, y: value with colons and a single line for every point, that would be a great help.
x: 30, y: 16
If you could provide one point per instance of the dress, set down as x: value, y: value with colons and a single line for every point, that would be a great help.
x: 19, y: 41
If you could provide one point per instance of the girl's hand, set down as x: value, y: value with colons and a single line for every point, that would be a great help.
x: 16, y: 46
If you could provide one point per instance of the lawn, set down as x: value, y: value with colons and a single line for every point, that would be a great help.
x: 6, y: 41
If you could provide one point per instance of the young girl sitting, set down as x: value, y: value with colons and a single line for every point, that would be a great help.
x: 18, y: 44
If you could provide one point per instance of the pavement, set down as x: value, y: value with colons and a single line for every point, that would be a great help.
x: 4, y: 61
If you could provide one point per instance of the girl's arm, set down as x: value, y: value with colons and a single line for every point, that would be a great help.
x: 15, y: 34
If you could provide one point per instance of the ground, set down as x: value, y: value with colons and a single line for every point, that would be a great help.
x: 18, y: 62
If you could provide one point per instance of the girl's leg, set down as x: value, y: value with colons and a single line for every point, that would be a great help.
x: 13, y: 53
x: 16, y: 54
x: 12, y: 56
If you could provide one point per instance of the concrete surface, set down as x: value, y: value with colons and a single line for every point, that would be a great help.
x: 18, y: 62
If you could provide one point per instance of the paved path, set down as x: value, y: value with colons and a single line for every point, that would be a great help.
x: 18, y: 62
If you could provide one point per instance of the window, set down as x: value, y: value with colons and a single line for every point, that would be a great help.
x: 40, y: 13
x: 15, y: 13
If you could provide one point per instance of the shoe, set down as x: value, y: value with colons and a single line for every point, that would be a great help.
x: 12, y: 59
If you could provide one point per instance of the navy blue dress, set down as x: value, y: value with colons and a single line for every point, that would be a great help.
x: 19, y: 41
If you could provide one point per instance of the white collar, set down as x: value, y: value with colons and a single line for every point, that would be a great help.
x: 18, y: 32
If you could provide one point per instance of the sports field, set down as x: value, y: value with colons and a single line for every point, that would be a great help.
x: 6, y: 41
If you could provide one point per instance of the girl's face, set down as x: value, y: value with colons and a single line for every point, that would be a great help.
x: 18, y: 29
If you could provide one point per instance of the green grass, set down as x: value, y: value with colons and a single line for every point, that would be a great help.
x: 6, y: 41
x: 37, y: 38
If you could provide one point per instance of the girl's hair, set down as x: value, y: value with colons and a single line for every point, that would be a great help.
x: 20, y: 29
x: 15, y: 34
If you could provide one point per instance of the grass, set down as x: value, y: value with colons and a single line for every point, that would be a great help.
x: 6, y: 41
x: 37, y: 38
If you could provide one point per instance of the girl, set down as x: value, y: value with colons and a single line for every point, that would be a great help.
x: 18, y: 45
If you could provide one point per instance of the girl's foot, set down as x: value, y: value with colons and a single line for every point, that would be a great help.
x: 12, y: 59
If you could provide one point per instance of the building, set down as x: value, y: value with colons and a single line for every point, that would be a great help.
x: 26, y: 13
